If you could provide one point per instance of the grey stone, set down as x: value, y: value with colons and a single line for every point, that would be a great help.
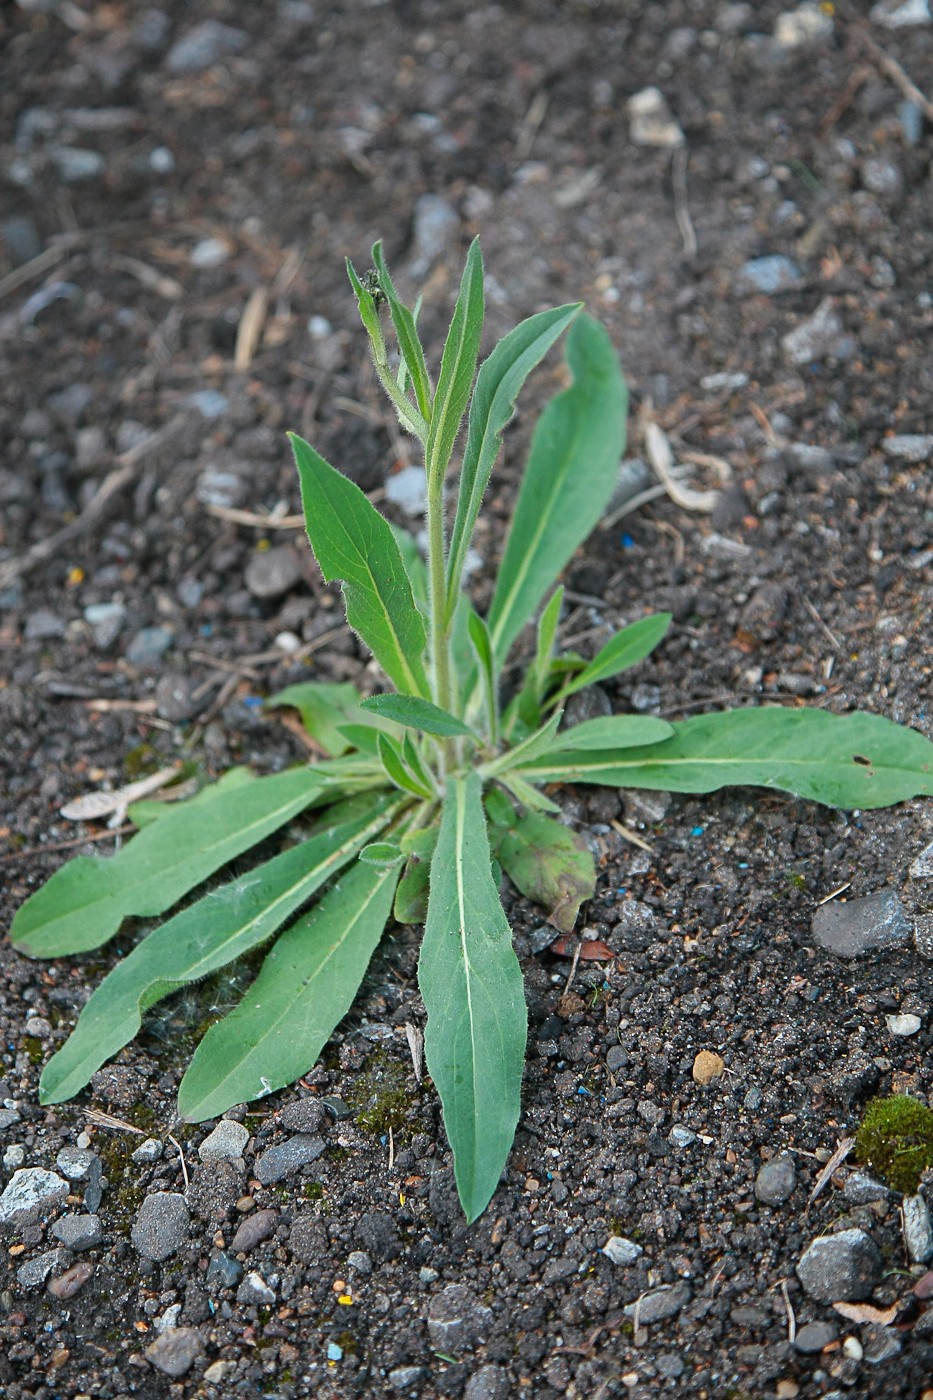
x: 222, y: 1271
x: 909, y: 447
x: 34, y: 1272
x: 378, y: 1233
x: 436, y: 224
x: 771, y: 274
x: 814, y: 1336
x: 22, y: 239
x: 616, y: 1057
x: 161, y: 1225
x: 620, y: 1251
x: 304, y: 1116
x: 75, y: 1162
x: 44, y: 625
x: 30, y: 1194
x: 456, y: 1321
x: 255, y: 1291
x: 860, y: 1189
x: 148, y: 1151
x: 175, y: 1352
x: 679, y: 1136
x: 278, y: 1162
x: 818, y: 337
x: 203, y: 45
x: 90, y: 448
x: 923, y: 935
x: 149, y: 646
x: 671, y: 1365
x: 659, y: 1303
x: 900, y: 14
x: 879, y: 1344
x: 918, y: 1229
x: 359, y: 1260
x: 488, y: 1383
x: 78, y: 1231
x: 807, y: 25
x: 258, y: 1226
x: 176, y: 699
x: 402, y: 1378
x: 210, y: 403
x: 776, y: 1180
x: 8, y: 1117
x: 106, y: 623
x: 842, y: 1268
x: 217, y: 487
x: 74, y: 164
x: 69, y: 404
x: 273, y: 573
x: 210, y: 252
x: 228, y: 1140
x: 921, y: 867
x: 882, y: 177
x: 873, y: 923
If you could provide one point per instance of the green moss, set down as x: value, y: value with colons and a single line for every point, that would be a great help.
x: 380, y: 1096
x: 312, y: 1190
x: 34, y: 1049
x: 896, y: 1141
x: 141, y: 761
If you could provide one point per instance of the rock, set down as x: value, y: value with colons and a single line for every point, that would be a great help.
x: 402, y: 1378
x: 209, y: 252
x: 75, y: 165
x: 90, y: 448
x: 899, y: 14
x: 214, y: 1186
x: 436, y: 225
x: 176, y: 698
x: 903, y: 1025
x: 253, y: 1230
x: 203, y: 45
x: 659, y: 1303
x: 66, y: 1285
x: 222, y: 1271
x: 161, y: 1225
x: 34, y: 1272
x: 814, y: 1336
x: 923, y: 935
x: 106, y: 623
x: 408, y: 489
x: 909, y: 447
x: 771, y: 274
x: 808, y: 24
x: 21, y: 238
x: 882, y: 177
x: 214, y: 1374
x: 621, y: 1252
x: 273, y: 572
x: 921, y: 867
x: 210, y: 403
x: 78, y: 1231
x: 30, y: 1194
x: 228, y: 1140
x: 679, y: 1136
x: 820, y: 336
x: 488, y: 1383
x: 880, y: 1344
x: 918, y: 1229
x: 304, y: 1116
x: 175, y: 1352
x: 278, y: 1162
x: 776, y: 1180
x: 651, y: 122
x: 591, y: 703
x: 378, y: 1233
x: 456, y: 1321
x: 359, y: 1260
x: 860, y: 1188
x: 307, y: 1240
x: 43, y: 625
x: 148, y: 1151
x: 842, y: 1268
x: 69, y: 404
x: 708, y: 1066
x: 873, y: 923
x: 255, y: 1292
x: 216, y: 487
x: 149, y: 646
x: 75, y: 1162
x: 168, y: 1320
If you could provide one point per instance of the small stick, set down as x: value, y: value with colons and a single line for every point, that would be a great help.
x: 107, y: 1120
x: 791, y: 1319
x: 184, y: 1165
x: 628, y: 834
x: 836, y: 1160
x: 893, y: 70
x: 65, y: 845
x: 681, y: 208
x: 833, y: 639
x: 260, y: 522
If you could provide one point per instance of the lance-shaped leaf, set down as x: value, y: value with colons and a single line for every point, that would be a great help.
x: 472, y: 988
x: 415, y: 713
x: 856, y: 760
x: 207, y: 935
x: 569, y: 479
x: 84, y: 902
x: 408, y: 339
x: 550, y: 864
x: 398, y: 769
x: 522, y: 754
x: 629, y: 646
x: 411, y: 897
x: 305, y: 987
x: 613, y: 732
x: 352, y: 542
x: 482, y: 645
x: 458, y: 366
x: 149, y: 809
x: 323, y: 709
x: 498, y: 385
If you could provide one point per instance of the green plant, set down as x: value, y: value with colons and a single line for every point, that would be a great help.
x: 429, y: 789
x: 895, y: 1139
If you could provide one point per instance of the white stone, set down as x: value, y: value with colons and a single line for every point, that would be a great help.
x: 903, y: 1024
x: 29, y: 1192
x: 650, y: 120
x: 808, y: 24
x: 891, y: 14
x: 227, y: 1141
x: 621, y: 1251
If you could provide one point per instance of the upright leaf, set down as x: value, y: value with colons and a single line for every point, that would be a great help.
x: 352, y: 542
x: 305, y: 987
x: 856, y: 760
x: 629, y: 646
x: 498, y: 385
x: 482, y: 645
x: 84, y: 902
x: 550, y: 864
x: 398, y: 771
x: 458, y: 366
x: 415, y: 713
x: 206, y: 936
x: 408, y: 340
x: 472, y: 987
x: 411, y: 897
x: 569, y: 479
x: 323, y: 708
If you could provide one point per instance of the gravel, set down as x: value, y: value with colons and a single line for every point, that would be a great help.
x: 161, y: 1225
x: 840, y: 1268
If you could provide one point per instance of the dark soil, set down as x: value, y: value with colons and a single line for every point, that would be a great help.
x: 812, y: 579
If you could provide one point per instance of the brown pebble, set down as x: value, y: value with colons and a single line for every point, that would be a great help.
x: 245, y: 1204
x: 708, y: 1066
x: 69, y: 1283
x: 253, y: 1230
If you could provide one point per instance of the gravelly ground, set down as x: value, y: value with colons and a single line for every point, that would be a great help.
x: 143, y: 206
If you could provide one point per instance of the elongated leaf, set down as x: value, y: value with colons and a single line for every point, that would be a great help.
x: 411, y: 757
x: 498, y: 385
x: 305, y: 987
x: 323, y: 708
x: 397, y: 771
x: 411, y: 897
x: 613, y: 732
x: 415, y: 713
x: 222, y: 926
x: 530, y: 797
x: 550, y: 864
x: 458, y: 366
x: 547, y: 633
x: 856, y: 760
x: 625, y: 649
x: 384, y: 853
x: 149, y: 809
x: 353, y: 543
x: 415, y: 566
x: 472, y: 987
x: 84, y: 902
x: 568, y: 481
x: 522, y: 754
x: 482, y: 645
x: 408, y: 340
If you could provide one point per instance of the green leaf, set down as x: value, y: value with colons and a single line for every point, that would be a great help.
x: 613, y: 732
x: 472, y: 988
x: 856, y: 760
x: 398, y: 772
x: 323, y: 708
x: 149, y: 809
x: 383, y: 853
x: 498, y: 385
x: 369, y: 311
x: 207, y: 935
x: 84, y: 902
x: 550, y: 864
x: 415, y: 566
x: 411, y: 757
x: 629, y: 646
x: 527, y: 794
x: 522, y: 754
x: 305, y: 987
x: 547, y: 633
x: 458, y: 366
x: 415, y: 713
x: 411, y: 897
x: 408, y: 340
x: 352, y: 542
x: 482, y: 645
x: 569, y: 479
x: 499, y: 809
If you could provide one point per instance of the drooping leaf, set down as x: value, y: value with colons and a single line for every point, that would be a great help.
x: 323, y: 708
x: 222, y: 926
x: 411, y: 897
x: 857, y: 760
x: 409, y: 341
x: 472, y: 987
x: 568, y: 481
x: 550, y: 864
x: 84, y: 902
x: 410, y: 416
x: 458, y: 366
x: 629, y: 646
x: 415, y: 713
x: 613, y: 732
x: 498, y: 385
x: 352, y: 542
x: 305, y: 987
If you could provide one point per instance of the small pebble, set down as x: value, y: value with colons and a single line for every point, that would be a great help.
x: 228, y: 1140
x: 909, y: 447
x: 273, y: 572
x: 872, y: 923
x: 175, y: 1352
x: 900, y: 14
x: 659, y: 1303
x: 66, y: 1285
x: 776, y: 1180
x: 255, y: 1291
x: 905, y: 1024
x: 222, y: 1271
x: 918, y: 1229
x: 621, y: 1251
x: 44, y: 626
x: 708, y: 1066
x: 808, y: 24
x: 149, y: 645
x: 818, y: 337
x: 457, y: 1320
x: 161, y: 1225
x: 148, y: 1151
x: 204, y: 44
x: 78, y: 1231
x: 34, y: 1272
x: 209, y: 253
x: 771, y: 274
x: 277, y: 1162
x: 258, y: 1226
x: 651, y: 122
x: 31, y: 1193
x: 304, y: 1116
x: 845, y: 1267
x: 217, y: 487
x: 814, y: 1336
x: 76, y: 165
x: 106, y: 622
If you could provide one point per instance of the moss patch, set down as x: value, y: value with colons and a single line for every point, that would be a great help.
x: 896, y: 1141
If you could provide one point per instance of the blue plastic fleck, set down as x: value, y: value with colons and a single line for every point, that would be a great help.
x: 628, y: 542
x: 252, y: 702
x: 581, y: 1089
x: 697, y: 831
x: 334, y: 1353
